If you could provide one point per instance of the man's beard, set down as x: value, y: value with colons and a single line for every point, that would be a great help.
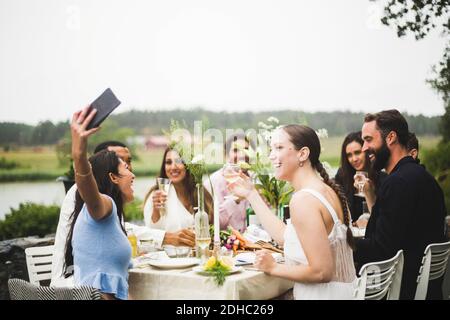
x: 382, y: 156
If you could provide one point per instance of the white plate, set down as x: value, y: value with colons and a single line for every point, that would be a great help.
x: 174, y: 263
x: 200, y: 270
x: 249, y: 257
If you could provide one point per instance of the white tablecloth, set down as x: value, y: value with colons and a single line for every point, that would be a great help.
x: 152, y: 284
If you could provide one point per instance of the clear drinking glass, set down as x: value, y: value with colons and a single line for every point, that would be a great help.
x: 231, y: 174
x: 163, y: 185
x: 360, y: 179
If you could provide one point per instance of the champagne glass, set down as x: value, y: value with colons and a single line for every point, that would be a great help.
x: 361, y: 178
x: 231, y: 174
x: 163, y: 185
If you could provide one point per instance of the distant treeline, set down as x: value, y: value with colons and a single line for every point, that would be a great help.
x: 337, y: 123
x: 44, y: 133
x: 153, y: 122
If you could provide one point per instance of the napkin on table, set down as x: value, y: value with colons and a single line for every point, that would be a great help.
x: 249, y: 258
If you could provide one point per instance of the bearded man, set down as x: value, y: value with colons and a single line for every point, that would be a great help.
x: 409, y: 210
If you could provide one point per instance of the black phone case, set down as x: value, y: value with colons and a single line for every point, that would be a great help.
x: 105, y: 104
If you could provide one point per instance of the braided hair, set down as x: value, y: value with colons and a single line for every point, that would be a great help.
x: 303, y: 136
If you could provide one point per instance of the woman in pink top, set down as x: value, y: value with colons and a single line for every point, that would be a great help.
x: 232, y: 212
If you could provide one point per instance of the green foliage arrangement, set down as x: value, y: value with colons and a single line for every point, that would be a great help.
x: 195, y: 163
x: 276, y: 192
x: 218, y: 269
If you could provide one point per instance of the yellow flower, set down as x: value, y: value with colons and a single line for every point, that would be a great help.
x: 210, y: 263
x: 227, y: 262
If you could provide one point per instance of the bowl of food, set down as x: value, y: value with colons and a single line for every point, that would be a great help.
x: 146, y: 246
x: 183, y: 251
x: 177, y: 251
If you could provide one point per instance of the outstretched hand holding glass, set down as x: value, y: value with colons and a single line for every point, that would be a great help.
x: 361, y: 178
x: 163, y: 185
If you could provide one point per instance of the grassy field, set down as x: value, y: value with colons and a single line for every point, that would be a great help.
x: 42, y: 163
x: 331, y: 147
x: 33, y: 164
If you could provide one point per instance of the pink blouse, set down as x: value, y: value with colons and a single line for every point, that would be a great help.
x: 231, y: 213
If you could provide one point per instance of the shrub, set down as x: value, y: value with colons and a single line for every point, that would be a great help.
x: 29, y: 219
x: 444, y: 181
x: 32, y: 219
x: 7, y: 164
x: 134, y: 211
x: 437, y: 161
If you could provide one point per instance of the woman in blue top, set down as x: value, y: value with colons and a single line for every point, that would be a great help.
x: 97, y: 243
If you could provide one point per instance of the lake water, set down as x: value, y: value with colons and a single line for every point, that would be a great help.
x: 51, y: 192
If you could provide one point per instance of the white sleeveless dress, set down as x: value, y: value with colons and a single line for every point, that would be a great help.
x: 341, y: 286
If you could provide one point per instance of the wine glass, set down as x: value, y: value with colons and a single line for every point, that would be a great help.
x: 360, y: 179
x: 231, y: 174
x: 163, y: 185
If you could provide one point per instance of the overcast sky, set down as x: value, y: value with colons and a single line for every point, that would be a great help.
x: 237, y: 55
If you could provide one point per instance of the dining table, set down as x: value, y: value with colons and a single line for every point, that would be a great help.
x: 147, y: 282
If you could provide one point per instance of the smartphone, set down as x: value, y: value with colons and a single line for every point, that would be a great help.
x: 105, y: 104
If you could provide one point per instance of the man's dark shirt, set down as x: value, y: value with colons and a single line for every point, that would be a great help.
x: 408, y: 214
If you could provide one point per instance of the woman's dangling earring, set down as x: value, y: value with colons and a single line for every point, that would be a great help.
x: 300, y: 163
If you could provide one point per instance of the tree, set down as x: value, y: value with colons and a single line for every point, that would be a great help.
x: 419, y: 18
x: 15, y: 133
x: 441, y: 84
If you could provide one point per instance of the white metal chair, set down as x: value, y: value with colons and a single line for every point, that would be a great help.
x: 434, y: 265
x: 21, y: 290
x: 380, y: 279
x: 39, y: 263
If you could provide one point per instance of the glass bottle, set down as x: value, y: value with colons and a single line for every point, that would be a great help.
x: 133, y: 243
x: 202, y: 235
x: 286, y: 213
x: 249, y: 213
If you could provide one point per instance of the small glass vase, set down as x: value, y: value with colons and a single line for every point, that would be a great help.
x: 202, y: 235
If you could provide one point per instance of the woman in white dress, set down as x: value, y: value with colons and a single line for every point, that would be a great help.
x: 317, y: 240
x: 179, y: 201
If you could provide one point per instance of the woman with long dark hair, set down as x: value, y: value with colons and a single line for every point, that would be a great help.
x: 317, y: 239
x: 181, y: 199
x: 353, y: 159
x: 97, y: 243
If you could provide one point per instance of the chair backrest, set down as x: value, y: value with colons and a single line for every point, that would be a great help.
x: 434, y: 265
x: 21, y: 290
x: 380, y: 279
x: 39, y: 263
